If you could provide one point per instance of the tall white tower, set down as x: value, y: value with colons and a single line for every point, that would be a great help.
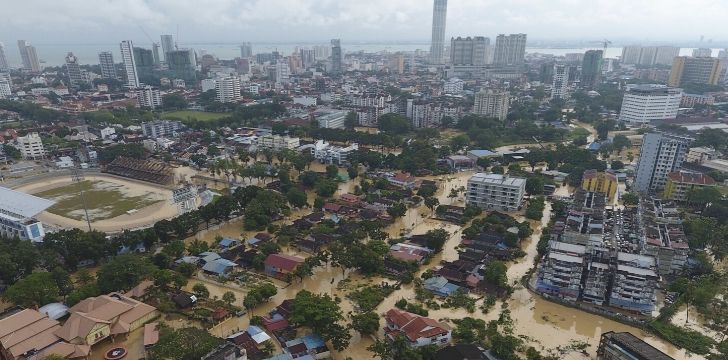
x: 437, y: 45
x: 127, y: 56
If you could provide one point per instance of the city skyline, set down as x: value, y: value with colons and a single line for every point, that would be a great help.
x: 403, y: 20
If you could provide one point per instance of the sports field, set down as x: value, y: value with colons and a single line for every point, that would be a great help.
x: 104, y: 199
x: 197, y: 115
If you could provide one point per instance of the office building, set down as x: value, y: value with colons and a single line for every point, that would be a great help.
x: 642, y: 104
x: 155, y: 54
x: 631, y: 54
x: 322, y: 52
x: 246, y: 50
x: 127, y: 56
x: 17, y: 215
x: 509, y: 49
x: 660, y: 155
x: 161, y: 128
x: 277, y: 142
x: 439, y: 21
x: 496, y: 191
x: 167, y: 42
x: 469, y: 50
x: 228, y: 89
x: 282, y: 73
x: 336, y: 57
x: 182, y: 64
x: 492, y: 103
x: 591, y: 69
x: 601, y: 182
x: 31, y: 147
x: 647, y: 55
x: 331, y: 154
x: 73, y: 71
x: 149, y: 97
x: 695, y: 70
x: 144, y: 61
x: 106, y: 63
x: 560, y: 84
x: 679, y: 183
x: 702, y: 52
x: 29, y: 56
x: 332, y: 119
x: 3, y: 59
x: 625, y: 346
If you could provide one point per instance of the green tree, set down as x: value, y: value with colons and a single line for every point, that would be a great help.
x: 296, y: 197
x: 37, y: 288
x: 201, y: 290
x: 183, y: 344
x: 323, y: 315
x: 630, y: 199
x: 397, y: 210
x: 365, y: 323
x: 228, y: 297
x: 123, y: 273
x: 351, y: 120
x: 495, y: 273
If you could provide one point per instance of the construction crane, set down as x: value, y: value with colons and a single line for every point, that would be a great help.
x: 605, y: 44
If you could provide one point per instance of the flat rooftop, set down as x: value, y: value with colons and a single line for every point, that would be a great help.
x: 499, y: 179
x: 20, y: 204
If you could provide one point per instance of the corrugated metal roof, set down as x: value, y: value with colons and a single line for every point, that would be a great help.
x: 21, y: 203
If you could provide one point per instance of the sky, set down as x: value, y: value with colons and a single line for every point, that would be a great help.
x: 109, y: 21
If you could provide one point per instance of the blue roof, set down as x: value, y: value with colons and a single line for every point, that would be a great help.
x: 313, y: 341
x: 481, y: 152
x: 253, y: 330
x: 218, y: 266
x: 227, y: 242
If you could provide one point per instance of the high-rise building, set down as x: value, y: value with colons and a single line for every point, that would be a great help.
x: 469, y: 50
x: 631, y: 54
x: 695, y: 70
x: 492, y: 103
x: 182, y: 64
x: 591, y: 68
x: 282, y: 72
x: 3, y: 59
x: 161, y: 128
x: 144, y: 61
x: 246, y: 50
x: 127, y: 56
x: 75, y: 79
x: 106, y: 62
x: 647, y: 55
x: 660, y: 155
x: 167, y: 45
x: 228, y: 89
x: 509, y: 49
x: 31, y: 146
x: 155, y: 54
x: 645, y: 103
x: 149, y: 97
x: 336, y: 57
x: 666, y: 54
x: 29, y: 56
x: 439, y: 21
x: 702, y: 52
x: 308, y: 57
x: 5, y: 90
x: 322, y: 52
x: 560, y: 84
x: 495, y: 191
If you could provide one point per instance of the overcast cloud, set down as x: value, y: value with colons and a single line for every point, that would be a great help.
x: 108, y: 21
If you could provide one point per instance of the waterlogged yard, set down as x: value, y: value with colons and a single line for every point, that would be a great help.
x: 104, y: 199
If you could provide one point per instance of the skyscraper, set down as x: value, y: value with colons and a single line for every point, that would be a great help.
x: 439, y: 19
x: 469, y: 51
x: 660, y: 155
x: 167, y: 45
x: 3, y: 60
x: 695, y: 70
x: 336, y: 57
x: 106, y: 62
x: 182, y: 64
x: 75, y: 79
x: 559, y: 88
x: 509, y: 49
x: 127, y: 56
x: 29, y: 56
x: 591, y: 68
x: 155, y: 53
x: 703, y: 52
x: 246, y: 50
x: 144, y: 61
x: 228, y: 89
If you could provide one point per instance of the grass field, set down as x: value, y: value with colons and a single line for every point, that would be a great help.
x: 197, y: 115
x: 104, y: 200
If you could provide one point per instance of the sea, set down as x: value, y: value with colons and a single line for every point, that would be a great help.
x: 54, y: 54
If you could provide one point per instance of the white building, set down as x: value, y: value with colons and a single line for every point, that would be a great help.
x: 5, y: 89
x: 660, y: 155
x: 454, y: 86
x: 149, y: 97
x: 496, y: 191
x: 228, y: 89
x: 331, y: 119
x: 17, y: 212
x: 64, y: 162
x: 305, y: 100
x: 127, y: 56
x: 282, y: 72
x: 208, y: 84
x: 107, y: 132
x: 492, y: 103
x: 330, y: 154
x: 31, y: 146
x: 277, y: 142
x: 161, y: 128
x: 106, y: 62
x: 178, y: 83
x: 560, y: 85
x: 645, y: 103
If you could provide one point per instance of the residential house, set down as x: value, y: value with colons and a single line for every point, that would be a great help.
x: 279, y: 265
x: 259, y: 239
x: 440, y: 286
x: 402, y: 180
x: 461, y: 352
x: 309, y: 345
x: 409, y: 252
x: 219, y: 267
x: 96, y: 318
x: 417, y: 330
x: 250, y: 340
x: 227, y: 243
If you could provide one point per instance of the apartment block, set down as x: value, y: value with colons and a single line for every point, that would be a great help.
x: 31, y: 147
x: 277, y: 142
x: 496, y: 191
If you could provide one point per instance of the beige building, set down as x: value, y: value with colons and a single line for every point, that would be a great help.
x: 97, y: 318
x: 492, y: 103
x: 29, y: 334
x: 31, y: 146
x: 697, y: 70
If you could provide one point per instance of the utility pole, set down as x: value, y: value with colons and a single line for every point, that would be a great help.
x: 78, y: 177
